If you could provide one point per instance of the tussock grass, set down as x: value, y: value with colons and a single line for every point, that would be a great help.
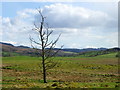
x: 71, y: 72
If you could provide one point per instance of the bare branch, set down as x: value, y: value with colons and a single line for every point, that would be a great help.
x: 32, y: 40
x: 49, y: 43
x: 36, y: 25
x: 47, y: 37
x: 46, y: 54
x: 41, y: 13
x: 36, y: 50
x: 52, y: 55
x: 51, y: 65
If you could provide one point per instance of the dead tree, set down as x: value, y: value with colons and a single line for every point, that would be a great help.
x: 47, y: 47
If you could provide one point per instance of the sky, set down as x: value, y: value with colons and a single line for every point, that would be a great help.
x: 81, y: 24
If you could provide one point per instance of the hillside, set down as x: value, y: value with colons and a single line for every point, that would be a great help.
x: 11, y: 50
x: 83, y: 50
x: 101, y: 52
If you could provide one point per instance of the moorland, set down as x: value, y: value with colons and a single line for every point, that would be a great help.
x: 90, y: 69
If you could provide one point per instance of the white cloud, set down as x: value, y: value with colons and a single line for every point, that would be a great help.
x: 11, y: 42
x: 91, y: 47
x: 74, y: 45
x: 16, y: 29
x: 26, y: 13
x: 112, y: 39
x: 69, y: 16
x: 80, y: 27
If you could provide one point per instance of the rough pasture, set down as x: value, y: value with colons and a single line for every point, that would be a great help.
x: 71, y: 72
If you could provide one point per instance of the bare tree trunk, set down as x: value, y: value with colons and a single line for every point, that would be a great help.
x: 43, y: 63
x: 43, y: 50
x: 44, y: 43
x: 44, y: 71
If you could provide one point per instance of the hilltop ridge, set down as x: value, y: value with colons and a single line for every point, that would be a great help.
x: 11, y: 50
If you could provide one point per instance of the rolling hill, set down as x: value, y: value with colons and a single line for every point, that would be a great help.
x: 11, y: 50
x: 81, y: 50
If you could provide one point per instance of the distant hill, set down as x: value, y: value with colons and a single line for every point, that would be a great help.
x: 83, y: 50
x: 6, y: 44
x: 11, y: 50
x: 23, y: 46
x: 101, y: 52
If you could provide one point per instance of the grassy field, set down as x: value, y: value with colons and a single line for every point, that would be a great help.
x: 71, y: 72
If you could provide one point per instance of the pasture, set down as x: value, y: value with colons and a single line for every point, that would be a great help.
x: 70, y: 72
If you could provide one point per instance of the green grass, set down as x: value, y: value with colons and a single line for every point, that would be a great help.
x: 111, y: 55
x: 7, y: 54
x: 70, y: 72
x: 98, y: 54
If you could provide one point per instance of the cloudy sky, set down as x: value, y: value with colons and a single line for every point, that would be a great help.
x: 82, y: 24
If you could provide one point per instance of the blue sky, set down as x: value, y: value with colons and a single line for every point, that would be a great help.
x: 11, y: 8
x: 82, y: 24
